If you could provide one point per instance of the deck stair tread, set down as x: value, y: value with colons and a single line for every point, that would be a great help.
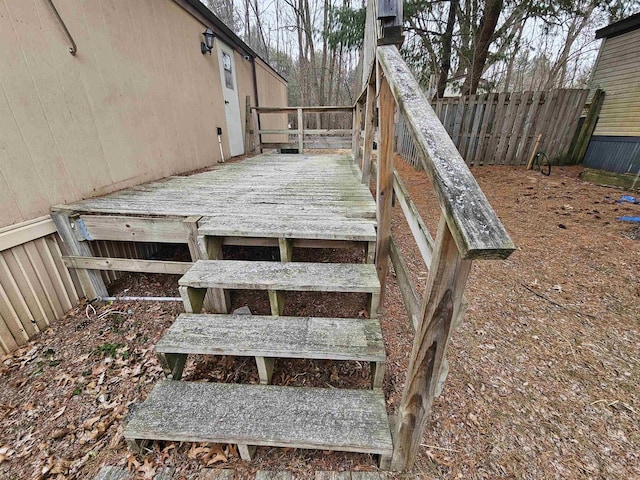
x: 267, y: 415
x: 288, y: 276
x: 287, y: 227
x: 281, y: 337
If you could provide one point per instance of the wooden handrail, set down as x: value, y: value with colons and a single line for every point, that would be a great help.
x: 310, y: 109
x: 475, y: 227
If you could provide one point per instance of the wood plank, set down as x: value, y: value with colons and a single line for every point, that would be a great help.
x: 127, y: 265
x: 92, y: 284
x: 326, y: 475
x: 311, y: 109
x: 273, y: 475
x: 384, y: 180
x: 290, y: 276
x: 136, y: 229
x: 418, y: 228
x: 476, y: 228
x: 443, y: 297
x: 405, y: 284
x: 369, y: 127
x: 318, y: 418
x: 216, y: 474
x: 114, y: 473
x: 268, y: 336
x: 287, y: 227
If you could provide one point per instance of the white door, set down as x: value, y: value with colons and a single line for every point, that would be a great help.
x: 230, y: 95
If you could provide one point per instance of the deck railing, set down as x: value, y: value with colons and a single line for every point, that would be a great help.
x: 300, y: 138
x: 468, y: 230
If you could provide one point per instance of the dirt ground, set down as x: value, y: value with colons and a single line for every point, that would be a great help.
x: 544, y: 371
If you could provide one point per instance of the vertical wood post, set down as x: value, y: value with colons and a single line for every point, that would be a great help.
x: 300, y: 131
x: 355, y: 138
x: 384, y: 182
x: 217, y: 299
x: 248, y: 131
x: 580, y: 148
x: 443, y: 297
x: 90, y: 280
x: 369, y: 119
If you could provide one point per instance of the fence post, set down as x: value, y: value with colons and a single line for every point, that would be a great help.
x: 448, y: 275
x: 384, y: 182
x: 580, y: 148
x: 300, y: 130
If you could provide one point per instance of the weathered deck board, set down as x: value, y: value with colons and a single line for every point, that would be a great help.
x: 290, y: 276
x: 323, y: 186
x: 287, y: 227
x: 283, y: 337
x: 330, y: 419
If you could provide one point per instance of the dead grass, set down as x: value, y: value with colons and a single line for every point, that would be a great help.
x: 544, y: 372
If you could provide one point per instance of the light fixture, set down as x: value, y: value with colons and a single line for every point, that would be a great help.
x: 207, y: 45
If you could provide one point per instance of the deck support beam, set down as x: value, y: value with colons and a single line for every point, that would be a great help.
x: 90, y: 280
x: 217, y: 300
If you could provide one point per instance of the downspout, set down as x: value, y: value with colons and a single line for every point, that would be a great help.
x: 73, y: 48
x: 255, y: 93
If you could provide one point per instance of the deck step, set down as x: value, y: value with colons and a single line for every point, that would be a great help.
x: 263, y: 415
x: 273, y: 337
x: 289, y: 276
x: 288, y: 227
x: 276, y: 277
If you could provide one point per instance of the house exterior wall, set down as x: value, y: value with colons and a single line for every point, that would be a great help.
x: 615, y: 143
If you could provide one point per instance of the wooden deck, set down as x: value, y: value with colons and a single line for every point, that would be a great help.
x: 275, y: 200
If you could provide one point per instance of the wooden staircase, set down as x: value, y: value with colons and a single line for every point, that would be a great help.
x: 270, y: 415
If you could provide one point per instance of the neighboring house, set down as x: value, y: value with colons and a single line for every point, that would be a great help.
x: 137, y: 101
x: 615, y: 143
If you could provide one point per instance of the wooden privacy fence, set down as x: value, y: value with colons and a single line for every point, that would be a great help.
x: 502, y: 128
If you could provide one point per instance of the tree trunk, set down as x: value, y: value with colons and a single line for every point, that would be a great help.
x: 483, y: 38
x: 445, y: 64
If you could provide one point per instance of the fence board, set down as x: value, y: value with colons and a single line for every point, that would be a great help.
x: 501, y: 128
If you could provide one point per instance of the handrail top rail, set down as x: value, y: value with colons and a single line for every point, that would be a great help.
x: 476, y: 229
x: 309, y: 109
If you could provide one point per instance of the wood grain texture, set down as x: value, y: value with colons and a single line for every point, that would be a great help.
x: 127, y: 265
x: 268, y: 336
x: 476, y: 228
x: 290, y: 276
x: 443, y: 297
x: 331, y: 419
x: 273, y: 475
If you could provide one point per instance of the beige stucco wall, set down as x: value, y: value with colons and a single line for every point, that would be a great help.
x: 138, y: 102
x: 617, y: 72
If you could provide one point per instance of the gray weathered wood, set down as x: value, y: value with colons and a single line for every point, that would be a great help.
x: 405, y: 284
x: 268, y: 336
x: 443, y: 297
x: 476, y: 228
x: 273, y: 475
x: 132, y: 229
x: 92, y: 284
x: 291, y: 276
x: 326, y: 475
x: 384, y: 180
x: 114, y: 473
x: 369, y: 120
x: 216, y: 474
x: 127, y: 265
x: 288, y: 227
x: 193, y: 299
x: 330, y: 419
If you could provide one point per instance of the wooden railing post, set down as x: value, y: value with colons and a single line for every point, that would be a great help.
x: 300, y: 130
x: 369, y: 119
x: 355, y: 138
x: 443, y: 297
x: 384, y: 182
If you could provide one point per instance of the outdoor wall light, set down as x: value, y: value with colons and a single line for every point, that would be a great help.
x: 207, y: 45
